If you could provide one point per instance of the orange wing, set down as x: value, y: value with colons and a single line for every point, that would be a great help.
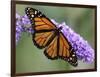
x: 51, y: 51
x: 41, y: 40
x: 42, y: 23
x: 38, y: 20
x: 42, y: 26
x: 44, y: 32
x: 66, y: 52
x: 60, y: 48
x: 64, y: 48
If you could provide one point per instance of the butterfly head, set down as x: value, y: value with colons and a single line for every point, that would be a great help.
x: 60, y: 28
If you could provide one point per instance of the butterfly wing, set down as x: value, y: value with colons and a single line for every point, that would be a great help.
x: 42, y: 26
x: 52, y: 49
x: 66, y: 51
x: 60, y: 48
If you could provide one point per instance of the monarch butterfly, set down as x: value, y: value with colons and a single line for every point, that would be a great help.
x: 47, y: 35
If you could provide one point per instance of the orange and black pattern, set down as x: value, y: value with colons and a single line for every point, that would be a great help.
x: 47, y: 35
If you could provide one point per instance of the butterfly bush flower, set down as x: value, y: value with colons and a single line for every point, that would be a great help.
x: 21, y: 26
x: 82, y: 48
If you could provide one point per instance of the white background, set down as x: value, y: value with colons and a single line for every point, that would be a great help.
x: 5, y: 50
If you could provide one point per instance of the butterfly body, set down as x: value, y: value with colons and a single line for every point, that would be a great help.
x: 47, y: 35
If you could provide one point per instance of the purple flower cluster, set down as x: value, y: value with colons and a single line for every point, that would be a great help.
x: 22, y: 25
x: 82, y: 48
x: 19, y: 28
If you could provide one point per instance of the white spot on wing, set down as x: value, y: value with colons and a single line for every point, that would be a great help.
x: 40, y: 14
x: 32, y: 15
x: 73, y: 55
x: 70, y: 58
x: 28, y: 8
x: 35, y: 12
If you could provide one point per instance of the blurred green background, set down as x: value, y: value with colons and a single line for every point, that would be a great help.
x: 31, y: 59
